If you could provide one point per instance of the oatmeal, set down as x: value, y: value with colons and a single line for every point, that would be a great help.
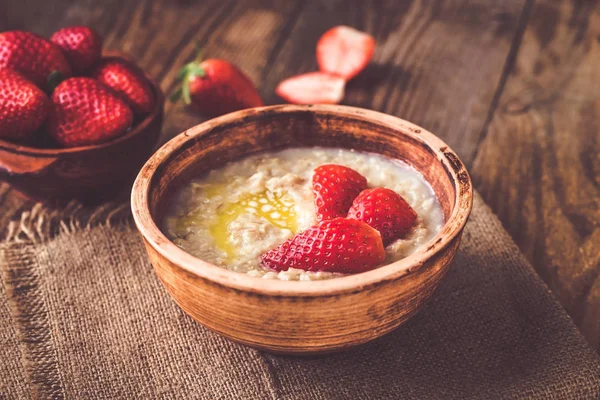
x: 231, y: 216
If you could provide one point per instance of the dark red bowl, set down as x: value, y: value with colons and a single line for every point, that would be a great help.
x: 89, y: 174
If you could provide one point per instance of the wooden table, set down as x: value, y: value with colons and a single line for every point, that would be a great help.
x: 512, y: 86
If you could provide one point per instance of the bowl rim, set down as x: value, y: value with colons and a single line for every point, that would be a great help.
x: 157, y: 109
x: 452, y: 227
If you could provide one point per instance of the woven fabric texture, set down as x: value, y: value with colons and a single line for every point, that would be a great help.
x: 85, y: 317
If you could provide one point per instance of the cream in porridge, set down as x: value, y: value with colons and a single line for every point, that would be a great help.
x: 231, y: 216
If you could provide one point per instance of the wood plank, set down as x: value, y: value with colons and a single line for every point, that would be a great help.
x: 437, y: 64
x: 539, y: 165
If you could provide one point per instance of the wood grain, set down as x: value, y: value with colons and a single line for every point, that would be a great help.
x: 539, y: 165
x: 437, y: 64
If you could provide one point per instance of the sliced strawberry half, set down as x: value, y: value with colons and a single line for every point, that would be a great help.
x: 344, y: 51
x: 312, y: 88
x: 337, y: 245
x: 335, y: 187
x: 384, y: 210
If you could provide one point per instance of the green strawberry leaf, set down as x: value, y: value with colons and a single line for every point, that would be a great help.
x: 176, y: 96
x: 185, y: 74
x: 195, y: 70
x: 182, y: 72
x: 185, y: 90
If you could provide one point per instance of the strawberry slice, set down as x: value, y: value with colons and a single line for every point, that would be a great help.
x: 344, y: 51
x: 337, y: 245
x: 312, y: 88
x: 335, y: 188
x: 384, y: 210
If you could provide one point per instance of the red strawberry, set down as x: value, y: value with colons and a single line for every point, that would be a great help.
x: 384, y: 210
x: 33, y: 56
x: 81, y: 45
x: 127, y: 80
x: 85, y: 112
x: 23, y: 106
x: 216, y: 87
x: 312, y: 88
x: 344, y: 51
x: 335, y: 188
x: 337, y: 245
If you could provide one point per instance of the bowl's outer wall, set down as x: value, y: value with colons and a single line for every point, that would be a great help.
x: 276, y: 320
x: 91, y: 175
x: 303, y: 325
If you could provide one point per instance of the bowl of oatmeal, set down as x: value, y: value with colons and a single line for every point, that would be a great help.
x: 302, y: 229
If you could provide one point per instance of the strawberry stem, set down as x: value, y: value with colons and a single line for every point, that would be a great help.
x: 185, y: 75
x: 199, y: 51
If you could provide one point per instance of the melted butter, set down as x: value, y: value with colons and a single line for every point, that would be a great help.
x: 215, y: 189
x: 277, y: 209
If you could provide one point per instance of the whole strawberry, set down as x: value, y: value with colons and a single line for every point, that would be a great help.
x: 335, y: 187
x: 23, y: 106
x: 336, y: 245
x: 127, y: 80
x: 384, y: 210
x: 33, y: 56
x: 85, y: 112
x: 216, y: 87
x: 80, y: 44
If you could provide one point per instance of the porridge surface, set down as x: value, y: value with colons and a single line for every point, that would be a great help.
x: 232, y: 215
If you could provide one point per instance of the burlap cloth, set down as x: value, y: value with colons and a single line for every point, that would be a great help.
x: 85, y: 317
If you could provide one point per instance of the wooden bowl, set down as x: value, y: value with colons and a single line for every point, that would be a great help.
x: 89, y: 174
x: 300, y: 317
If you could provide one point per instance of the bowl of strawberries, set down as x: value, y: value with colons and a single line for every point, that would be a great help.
x: 74, y: 124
